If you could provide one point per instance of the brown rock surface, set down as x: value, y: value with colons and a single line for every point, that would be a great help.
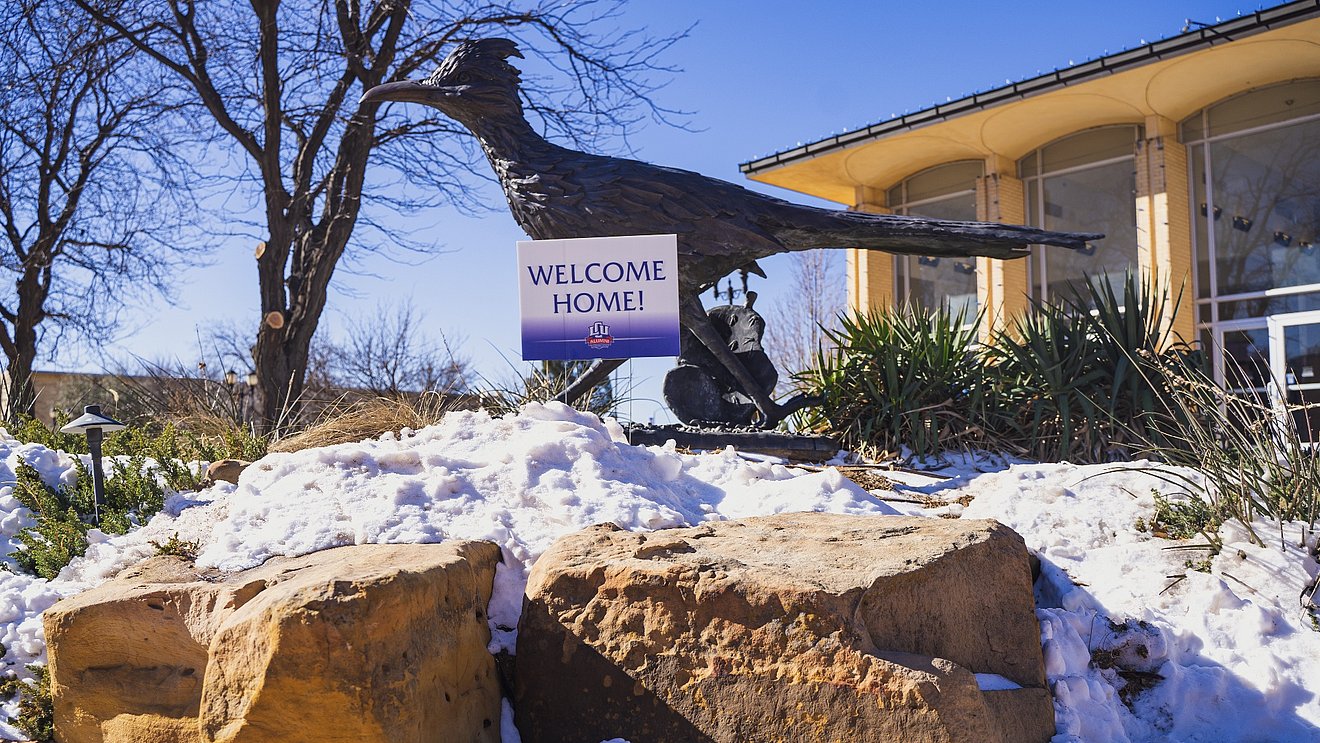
x: 226, y: 470
x: 795, y: 627
x: 367, y: 643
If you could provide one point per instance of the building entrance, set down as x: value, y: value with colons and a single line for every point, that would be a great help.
x: 1294, y: 364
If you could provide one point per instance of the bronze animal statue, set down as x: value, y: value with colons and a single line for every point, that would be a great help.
x: 555, y: 192
x: 701, y: 391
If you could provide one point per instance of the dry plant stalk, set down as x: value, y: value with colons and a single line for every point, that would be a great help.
x: 346, y: 422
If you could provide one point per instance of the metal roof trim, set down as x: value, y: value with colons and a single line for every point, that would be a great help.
x: 1201, y: 38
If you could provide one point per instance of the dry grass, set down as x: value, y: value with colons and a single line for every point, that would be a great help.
x: 359, y: 420
x: 867, y: 478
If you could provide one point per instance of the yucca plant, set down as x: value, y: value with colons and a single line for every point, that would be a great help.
x: 1145, y: 362
x: 900, y: 377
x: 1089, y: 378
x: 1045, y: 376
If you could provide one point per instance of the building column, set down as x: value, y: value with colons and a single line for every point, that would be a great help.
x: 1002, y: 289
x: 870, y: 272
x: 1164, y: 230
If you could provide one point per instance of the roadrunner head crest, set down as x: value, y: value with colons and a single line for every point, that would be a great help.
x: 479, y: 62
x: 473, y: 83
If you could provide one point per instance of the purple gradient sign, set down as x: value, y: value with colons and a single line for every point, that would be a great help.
x: 599, y: 297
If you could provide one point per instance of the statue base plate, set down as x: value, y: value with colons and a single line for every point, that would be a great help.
x: 788, y: 446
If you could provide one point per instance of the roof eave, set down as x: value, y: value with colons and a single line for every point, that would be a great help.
x: 1202, y: 38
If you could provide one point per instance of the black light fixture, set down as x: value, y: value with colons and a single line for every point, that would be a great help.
x: 94, y: 425
x: 231, y: 377
x: 252, y: 379
x: 1307, y: 247
x: 1218, y: 211
x: 966, y: 267
x: 928, y: 261
x: 1088, y: 249
x: 1241, y: 223
x: 1282, y: 238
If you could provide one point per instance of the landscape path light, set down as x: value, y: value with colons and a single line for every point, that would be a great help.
x: 94, y: 425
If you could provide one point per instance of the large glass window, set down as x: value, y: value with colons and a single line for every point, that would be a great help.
x: 943, y: 192
x: 1255, y: 185
x: 1083, y: 183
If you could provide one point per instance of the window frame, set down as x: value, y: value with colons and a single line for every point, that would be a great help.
x: 902, y: 275
x: 1038, y: 273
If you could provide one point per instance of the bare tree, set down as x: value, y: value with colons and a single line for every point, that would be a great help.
x: 281, y: 82
x: 388, y: 355
x: 88, y: 208
x: 796, y: 324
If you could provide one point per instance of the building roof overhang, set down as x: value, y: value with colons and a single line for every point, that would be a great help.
x: 1162, y: 82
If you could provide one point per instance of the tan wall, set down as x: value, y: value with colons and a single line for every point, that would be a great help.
x: 1164, y: 230
x: 870, y: 272
x: 1001, y: 285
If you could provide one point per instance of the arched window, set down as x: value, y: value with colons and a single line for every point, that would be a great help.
x: 1083, y: 183
x: 1255, y: 198
x: 1256, y: 159
x: 942, y: 192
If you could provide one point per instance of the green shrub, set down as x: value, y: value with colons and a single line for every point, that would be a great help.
x: 141, y: 462
x: 36, y: 709
x: 176, y: 547
x: 64, y: 512
x: 905, y: 377
x: 1184, y: 519
x: 60, y: 533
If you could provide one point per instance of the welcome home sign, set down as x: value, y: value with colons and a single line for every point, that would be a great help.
x: 599, y: 297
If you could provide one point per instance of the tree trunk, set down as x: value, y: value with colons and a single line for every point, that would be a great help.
x: 281, y: 365
x: 21, y: 395
x: 20, y: 342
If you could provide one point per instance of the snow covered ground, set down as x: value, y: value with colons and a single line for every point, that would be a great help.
x: 1223, y: 655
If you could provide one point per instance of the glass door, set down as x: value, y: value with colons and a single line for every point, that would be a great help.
x: 1295, y: 366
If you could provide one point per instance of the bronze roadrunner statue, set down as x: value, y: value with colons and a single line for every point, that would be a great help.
x: 556, y: 193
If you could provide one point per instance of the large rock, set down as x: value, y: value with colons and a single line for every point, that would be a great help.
x: 226, y: 470
x: 795, y: 627
x: 367, y: 643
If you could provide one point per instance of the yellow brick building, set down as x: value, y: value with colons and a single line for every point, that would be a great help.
x: 1198, y: 156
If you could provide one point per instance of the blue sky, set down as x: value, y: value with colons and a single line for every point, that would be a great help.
x: 756, y: 78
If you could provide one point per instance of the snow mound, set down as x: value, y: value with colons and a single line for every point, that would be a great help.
x: 1139, y: 646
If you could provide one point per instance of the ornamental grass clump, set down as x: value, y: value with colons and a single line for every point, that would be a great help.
x: 347, y: 421
x: 1246, y: 456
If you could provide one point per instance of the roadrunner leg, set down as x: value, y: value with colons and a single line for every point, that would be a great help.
x: 599, y: 371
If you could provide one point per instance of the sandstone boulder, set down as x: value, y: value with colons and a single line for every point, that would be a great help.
x: 367, y: 643
x: 226, y: 470
x: 794, y: 627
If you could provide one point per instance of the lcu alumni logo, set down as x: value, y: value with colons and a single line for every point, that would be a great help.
x: 598, y: 336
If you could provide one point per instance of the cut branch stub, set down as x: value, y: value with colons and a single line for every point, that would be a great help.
x: 261, y: 250
x: 275, y: 319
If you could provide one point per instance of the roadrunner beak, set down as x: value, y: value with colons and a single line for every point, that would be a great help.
x: 407, y: 91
